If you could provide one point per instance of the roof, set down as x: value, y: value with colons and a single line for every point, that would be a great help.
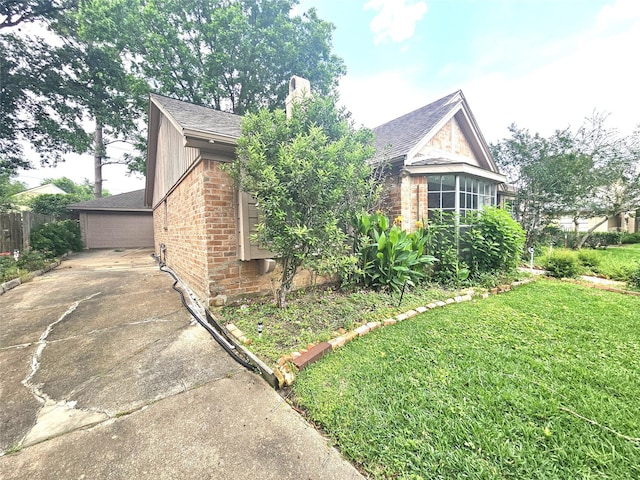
x: 397, y: 137
x: 197, y: 118
x: 48, y: 188
x: 124, y: 202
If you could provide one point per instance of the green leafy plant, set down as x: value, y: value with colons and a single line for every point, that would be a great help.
x: 630, y: 237
x: 562, y: 264
x: 54, y: 239
x: 492, y: 243
x: 589, y: 259
x: 634, y: 277
x: 389, y: 257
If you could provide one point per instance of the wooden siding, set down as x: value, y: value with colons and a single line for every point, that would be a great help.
x: 248, y: 219
x: 173, y: 159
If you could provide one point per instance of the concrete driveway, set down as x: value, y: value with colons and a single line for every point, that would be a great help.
x: 103, y: 375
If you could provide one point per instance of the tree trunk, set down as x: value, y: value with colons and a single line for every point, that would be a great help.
x: 289, y: 269
x: 98, y: 149
x: 589, y: 232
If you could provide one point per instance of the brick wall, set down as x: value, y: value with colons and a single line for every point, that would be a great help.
x: 198, y: 227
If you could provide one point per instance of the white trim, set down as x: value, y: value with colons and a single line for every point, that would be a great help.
x: 455, y: 169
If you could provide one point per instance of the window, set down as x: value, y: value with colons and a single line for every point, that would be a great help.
x: 441, y: 193
x: 472, y: 194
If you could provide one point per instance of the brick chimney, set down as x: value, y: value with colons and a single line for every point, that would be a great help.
x: 299, y: 88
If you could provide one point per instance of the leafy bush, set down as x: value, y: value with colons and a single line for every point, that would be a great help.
x: 562, y: 264
x: 634, y: 277
x: 603, y: 239
x: 54, y: 204
x: 492, y: 243
x: 32, y: 260
x: 630, y: 238
x: 589, y: 259
x: 388, y: 256
x: 54, y: 239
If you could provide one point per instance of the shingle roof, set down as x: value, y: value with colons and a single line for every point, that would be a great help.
x: 130, y: 201
x: 397, y: 137
x: 196, y: 117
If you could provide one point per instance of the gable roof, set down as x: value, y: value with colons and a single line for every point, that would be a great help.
x: 192, y: 118
x: 47, y: 188
x: 124, y: 202
x: 397, y: 137
x: 204, y: 128
x: 402, y: 137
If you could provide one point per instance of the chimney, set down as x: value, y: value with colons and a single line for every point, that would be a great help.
x: 299, y: 88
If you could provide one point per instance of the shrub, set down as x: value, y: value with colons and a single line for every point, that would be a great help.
x: 589, y: 259
x: 492, y: 243
x: 32, y: 260
x: 603, y: 239
x: 54, y: 239
x: 630, y: 238
x: 388, y: 257
x: 634, y: 277
x: 562, y: 264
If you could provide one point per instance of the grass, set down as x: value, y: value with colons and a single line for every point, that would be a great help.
x: 316, y: 314
x: 615, y: 262
x: 530, y: 384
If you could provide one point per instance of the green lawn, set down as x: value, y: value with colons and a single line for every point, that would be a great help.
x: 617, y: 262
x: 542, y: 382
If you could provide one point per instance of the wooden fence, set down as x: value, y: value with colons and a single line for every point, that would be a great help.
x: 15, y: 229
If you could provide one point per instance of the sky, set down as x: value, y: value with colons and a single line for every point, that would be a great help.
x: 541, y: 64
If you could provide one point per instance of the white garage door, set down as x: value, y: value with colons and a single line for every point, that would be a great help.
x: 118, y: 229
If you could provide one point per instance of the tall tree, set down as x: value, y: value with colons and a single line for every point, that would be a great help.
x: 33, y: 103
x: 233, y: 55
x: 16, y: 12
x: 593, y: 172
x: 310, y: 177
x: 101, y: 85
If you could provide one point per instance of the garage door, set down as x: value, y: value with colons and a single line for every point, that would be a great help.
x: 118, y: 229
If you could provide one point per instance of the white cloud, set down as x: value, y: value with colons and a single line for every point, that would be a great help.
x: 396, y: 19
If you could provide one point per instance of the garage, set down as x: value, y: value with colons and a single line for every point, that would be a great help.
x: 118, y: 221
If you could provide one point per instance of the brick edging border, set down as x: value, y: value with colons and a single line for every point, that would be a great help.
x: 289, y: 364
x: 11, y: 284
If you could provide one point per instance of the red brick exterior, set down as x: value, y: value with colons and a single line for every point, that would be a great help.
x: 197, y: 224
x: 406, y: 197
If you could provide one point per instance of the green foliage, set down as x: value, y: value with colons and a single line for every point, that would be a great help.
x: 53, y: 204
x: 309, y: 175
x: 589, y: 259
x: 32, y: 260
x: 634, y: 276
x: 631, y: 237
x: 562, y: 264
x: 8, y: 188
x: 83, y: 191
x: 489, y: 389
x: 603, y: 239
x: 493, y: 242
x: 587, y: 173
x: 236, y: 56
x: 388, y: 257
x: 55, y: 239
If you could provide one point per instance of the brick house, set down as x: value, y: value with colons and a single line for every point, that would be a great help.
x: 438, y: 159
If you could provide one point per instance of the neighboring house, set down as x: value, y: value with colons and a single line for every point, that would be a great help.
x: 21, y: 198
x: 439, y: 160
x: 117, y: 221
x: 203, y: 226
